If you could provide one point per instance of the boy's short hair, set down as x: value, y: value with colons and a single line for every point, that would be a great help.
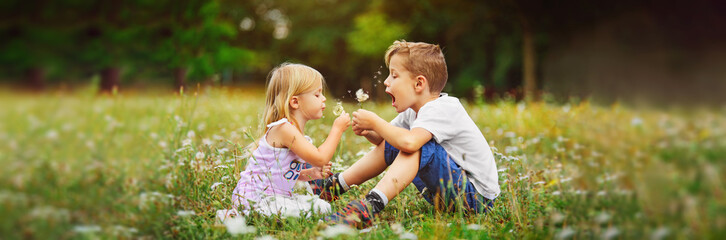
x: 422, y: 59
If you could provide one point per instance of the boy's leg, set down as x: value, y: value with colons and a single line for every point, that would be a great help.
x: 446, y: 183
x: 360, y: 213
x: 371, y: 165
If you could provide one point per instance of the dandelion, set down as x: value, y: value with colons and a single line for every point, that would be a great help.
x: 207, y: 142
x: 266, y: 237
x: 361, y: 96
x: 610, y: 233
x: 565, y: 233
x: 338, y: 110
x: 215, y: 185
x: 186, y: 142
x: 474, y: 227
x: 52, y: 135
x: 86, y: 228
x: 636, y: 121
x: 185, y: 213
x: 408, y: 235
x: 199, y: 155
x: 660, y: 233
x: 558, y: 217
x: 191, y: 134
x: 602, y: 218
x: 337, y: 230
x: 238, y: 225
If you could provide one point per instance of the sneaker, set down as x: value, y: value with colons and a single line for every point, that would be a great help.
x: 355, y: 214
x: 327, y: 189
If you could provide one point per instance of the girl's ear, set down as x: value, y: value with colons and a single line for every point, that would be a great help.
x: 294, y: 102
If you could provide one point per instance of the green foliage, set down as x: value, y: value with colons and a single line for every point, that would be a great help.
x: 129, y: 166
x: 373, y: 34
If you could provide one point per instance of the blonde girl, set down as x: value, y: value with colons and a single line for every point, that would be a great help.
x: 294, y: 96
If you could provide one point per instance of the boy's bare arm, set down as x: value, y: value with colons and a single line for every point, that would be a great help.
x: 400, y: 138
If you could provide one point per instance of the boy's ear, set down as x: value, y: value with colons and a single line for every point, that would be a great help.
x: 294, y: 102
x: 421, y: 83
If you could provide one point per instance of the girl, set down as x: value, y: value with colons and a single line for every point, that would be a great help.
x: 294, y: 96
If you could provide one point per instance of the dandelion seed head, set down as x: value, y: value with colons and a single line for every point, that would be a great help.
x: 238, y: 225
x: 199, y: 155
x: 185, y: 213
x: 565, y: 233
x: 361, y: 96
x: 337, y: 230
x: 338, y: 110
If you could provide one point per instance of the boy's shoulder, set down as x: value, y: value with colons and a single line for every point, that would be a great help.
x: 443, y: 104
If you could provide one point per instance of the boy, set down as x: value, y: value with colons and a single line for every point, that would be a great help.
x: 432, y: 143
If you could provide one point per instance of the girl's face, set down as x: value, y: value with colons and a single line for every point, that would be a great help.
x: 312, y: 103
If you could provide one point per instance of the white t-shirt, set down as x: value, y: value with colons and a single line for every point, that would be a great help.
x: 449, y: 123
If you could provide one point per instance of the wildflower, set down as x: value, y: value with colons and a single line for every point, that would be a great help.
x: 186, y: 142
x: 338, y: 110
x: 636, y: 121
x: 266, y: 237
x: 565, y: 233
x: 199, y: 155
x: 660, y: 233
x: 238, y: 225
x: 86, y: 228
x: 207, y: 142
x: 558, y: 217
x: 361, y: 96
x: 602, y: 218
x: 408, y: 235
x: 215, y: 185
x: 191, y: 134
x: 473, y: 226
x: 337, y: 230
x: 52, y: 135
x: 610, y: 233
x: 185, y: 213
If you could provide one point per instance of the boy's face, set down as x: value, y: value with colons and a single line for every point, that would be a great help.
x: 400, y: 84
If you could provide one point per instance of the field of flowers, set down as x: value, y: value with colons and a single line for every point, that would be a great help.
x: 143, y: 165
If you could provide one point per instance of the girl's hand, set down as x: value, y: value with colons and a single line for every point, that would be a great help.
x: 342, y: 122
x: 364, y: 120
x: 326, y: 171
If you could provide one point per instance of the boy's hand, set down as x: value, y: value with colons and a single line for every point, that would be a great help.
x: 359, y: 131
x: 364, y: 120
x: 342, y: 122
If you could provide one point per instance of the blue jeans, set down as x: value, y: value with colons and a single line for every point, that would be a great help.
x: 441, y: 181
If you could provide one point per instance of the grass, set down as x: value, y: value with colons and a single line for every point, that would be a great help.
x: 136, y: 165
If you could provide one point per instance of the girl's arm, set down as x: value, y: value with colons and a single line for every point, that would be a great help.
x: 295, y: 141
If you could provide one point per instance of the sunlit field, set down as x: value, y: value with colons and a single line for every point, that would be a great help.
x: 144, y: 165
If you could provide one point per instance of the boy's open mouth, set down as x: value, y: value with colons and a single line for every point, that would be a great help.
x: 393, y: 99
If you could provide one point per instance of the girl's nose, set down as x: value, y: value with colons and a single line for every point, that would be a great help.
x: 324, y: 98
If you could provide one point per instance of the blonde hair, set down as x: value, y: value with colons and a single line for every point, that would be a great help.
x: 284, y: 82
x: 422, y: 59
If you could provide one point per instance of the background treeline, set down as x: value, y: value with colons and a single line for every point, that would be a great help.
x: 493, y: 48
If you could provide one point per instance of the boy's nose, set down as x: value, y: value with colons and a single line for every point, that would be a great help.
x: 385, y: 82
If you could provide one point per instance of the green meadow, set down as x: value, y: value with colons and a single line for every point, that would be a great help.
x: 159, y: 165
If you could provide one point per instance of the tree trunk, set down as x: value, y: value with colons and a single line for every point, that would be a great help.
x: 180, y: 77
x: 110, y: 78
x: 529, y: 64
x: 35, y: 79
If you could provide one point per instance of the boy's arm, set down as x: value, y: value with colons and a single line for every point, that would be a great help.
x: 400, y: 138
